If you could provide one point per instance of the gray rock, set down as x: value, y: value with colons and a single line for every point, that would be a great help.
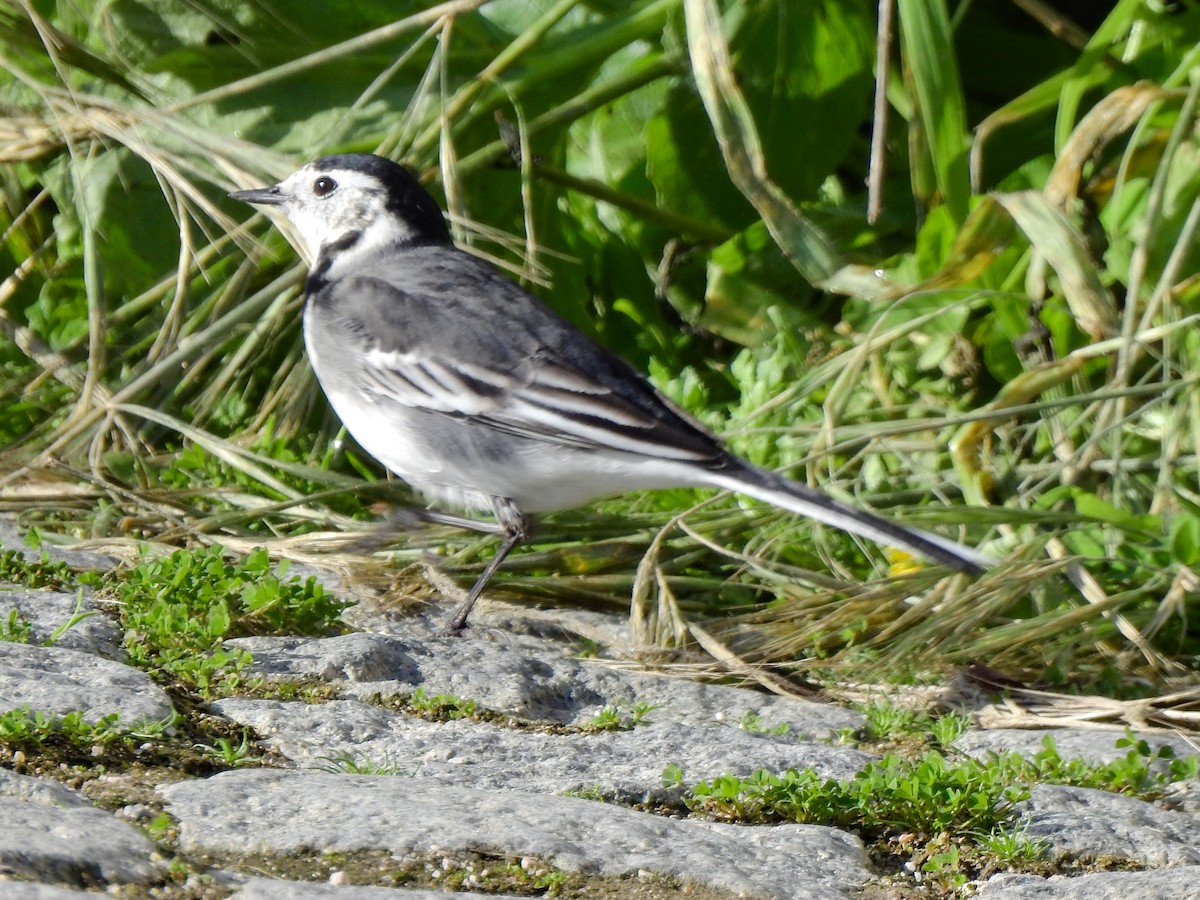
x: 274, y: 889
x: 50, y: 834
x: 38, y: 790
x: 55, y: 682
x: 47, y: 611
x: 1182, y: 883
x: 28, y: 890
x: 785, y: 718
x: 284, y: 812
x: 1183, y: 796
x: 1087, y: 823
x: 621, y: 763
x: 351, y: 657
x: 519, y: 676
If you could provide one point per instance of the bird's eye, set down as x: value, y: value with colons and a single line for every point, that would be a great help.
x: 324, y: 186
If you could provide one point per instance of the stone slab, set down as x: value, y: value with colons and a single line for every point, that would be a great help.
x: 50, y: 834
x: 1181, y: 883
x: 47, y: 611
x: 620, y: 763
x: 56, y: 682
x: 520, y: 676
x: 290, y: 812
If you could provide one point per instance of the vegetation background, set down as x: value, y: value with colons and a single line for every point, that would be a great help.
x: 937, y: 258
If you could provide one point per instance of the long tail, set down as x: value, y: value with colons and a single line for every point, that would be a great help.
x: 743, y: 478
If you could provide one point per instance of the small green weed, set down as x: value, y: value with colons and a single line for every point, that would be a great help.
x: 928, y: 796
x: 612, y: 718
x: 507, y: 875
x: 440, y: 706
x: 641, y: 713
x: 303, y: 690
x: 1012, y: 848
x: 178, y: 610
x: 16, y: 569
x: 947, y: 729
x: 753, y: 723
x: 227, y: 751
x: 843, y: 737
x: 949, y: 813
x: 932, y: 794
x: 1134, y: 773
x: 608, y: 719
x: 347, y: 763
x: 15, y: 628
x: 887, y: 721
x: 945, y: 867
x: 159, y: 827
x: 586, y: 648
x: 595, y: 793
x: 27, y: 728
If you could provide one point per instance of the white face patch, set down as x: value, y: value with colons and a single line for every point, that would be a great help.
x: 325, y: 205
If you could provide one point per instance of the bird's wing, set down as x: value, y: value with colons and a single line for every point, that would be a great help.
x: 522, y: 370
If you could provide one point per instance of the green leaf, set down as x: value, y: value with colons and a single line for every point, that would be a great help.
x: 1091, y: 506
x: 933, y: 65
x: 753, y: 290
x: 1056, y: 238
x: 742, y: 149
x: 1185, y: 539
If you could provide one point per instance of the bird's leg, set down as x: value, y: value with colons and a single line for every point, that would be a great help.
x: 458, y: 620
x: 515, y: 528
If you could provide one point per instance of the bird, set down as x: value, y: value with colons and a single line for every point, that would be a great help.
x: 473, y: 391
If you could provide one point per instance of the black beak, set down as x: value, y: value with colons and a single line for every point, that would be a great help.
x: 271, y: 196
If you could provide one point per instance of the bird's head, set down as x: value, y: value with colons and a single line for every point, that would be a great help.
x: 354, y: 202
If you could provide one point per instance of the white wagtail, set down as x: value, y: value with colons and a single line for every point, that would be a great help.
x: 475, y: 393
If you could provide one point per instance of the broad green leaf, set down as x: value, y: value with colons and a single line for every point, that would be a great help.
x: 796, y: 64
x: 737, y: 134
x: 748, y: 277
x: 1185, y: 539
